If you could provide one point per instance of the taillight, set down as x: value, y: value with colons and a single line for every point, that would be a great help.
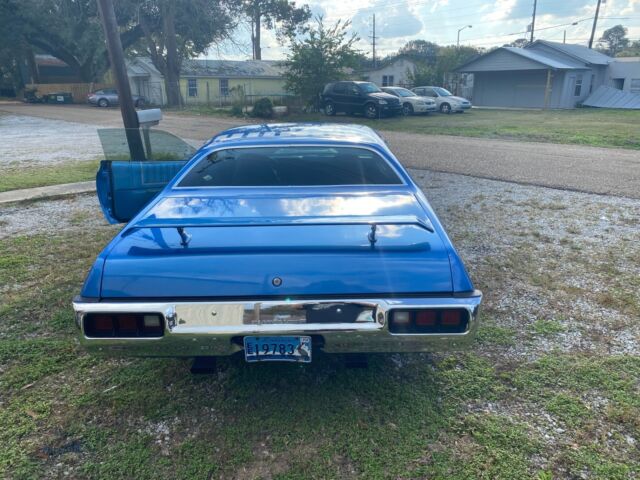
x: 126, y: 325
x: 432, y: 320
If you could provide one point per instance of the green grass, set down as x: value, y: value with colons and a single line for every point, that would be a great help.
x: 584, y: 126
x: 13, y: 178
x: 452, y: 416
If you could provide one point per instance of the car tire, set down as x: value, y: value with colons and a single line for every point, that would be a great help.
x: 407, y: 109
x: 329, y: 109
x: 445, y: 108
x: 103, y: 102
x: 371, y: 110
x: 139, y: 103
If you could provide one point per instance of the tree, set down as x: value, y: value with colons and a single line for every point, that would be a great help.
x: 67, y: 29
x: 178, y: 29
x: 520, y: 42
x: 423, y: 75
x: 613, y: 40
x: 280, y: 15
x: 420, y: 51
x: 325, y: 55
x: 632, y: 50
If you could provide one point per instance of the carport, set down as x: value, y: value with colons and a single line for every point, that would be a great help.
x: 523, y: 78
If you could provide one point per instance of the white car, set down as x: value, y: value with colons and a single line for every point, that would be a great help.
x: 412, y: 103
x: 445, y: 100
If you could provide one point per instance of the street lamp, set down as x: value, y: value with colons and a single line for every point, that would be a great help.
x: 459, y: 30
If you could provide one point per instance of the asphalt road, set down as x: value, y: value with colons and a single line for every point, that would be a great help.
x: 606, y: 171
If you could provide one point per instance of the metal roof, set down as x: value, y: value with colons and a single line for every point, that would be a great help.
x: 580, y: 52
x: 540, y: 58
x: 232, y: 68
x: 609, y: 97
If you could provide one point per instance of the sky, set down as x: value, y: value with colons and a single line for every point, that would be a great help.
x: 492, y: 23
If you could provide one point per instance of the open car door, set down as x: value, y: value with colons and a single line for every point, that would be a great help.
x: 126, y: 185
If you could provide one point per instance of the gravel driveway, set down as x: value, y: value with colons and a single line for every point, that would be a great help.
x: 588, y: 169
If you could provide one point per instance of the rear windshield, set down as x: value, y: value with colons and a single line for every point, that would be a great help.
x: 291, y: 166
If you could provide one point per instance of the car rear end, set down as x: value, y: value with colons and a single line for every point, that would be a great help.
x: 280, y: 272
x: 348, y: 283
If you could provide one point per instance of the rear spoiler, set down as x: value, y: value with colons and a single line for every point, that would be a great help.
x: 181, y: 223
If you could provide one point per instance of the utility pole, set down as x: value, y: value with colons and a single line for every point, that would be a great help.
x: 595, y: 22
x: 373, y: 39
x: 533, y: 21
x: 116, y: 56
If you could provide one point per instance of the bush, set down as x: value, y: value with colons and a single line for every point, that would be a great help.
x: 263, y: 108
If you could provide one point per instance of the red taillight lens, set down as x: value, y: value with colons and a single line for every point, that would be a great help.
x: 450, y: 318
x: 103, y: 323
x: 429, y: 320
x: 426, y: 318
x: 123, y: 325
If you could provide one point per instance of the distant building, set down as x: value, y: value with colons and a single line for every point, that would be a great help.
x: 624, y: 74
x: 216, y: 81
x: 394, y: 73
x: 146, y: 80
x: 541, y: 75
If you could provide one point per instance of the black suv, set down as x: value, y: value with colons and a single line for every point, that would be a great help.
x: 359, y: 97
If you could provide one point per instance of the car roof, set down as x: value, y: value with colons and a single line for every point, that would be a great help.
x: 279, y: 133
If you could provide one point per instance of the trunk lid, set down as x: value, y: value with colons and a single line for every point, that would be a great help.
x: 279, y: 245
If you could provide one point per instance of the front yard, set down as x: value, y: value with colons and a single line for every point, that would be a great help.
x: 550, y: 389
x: 587, y: 126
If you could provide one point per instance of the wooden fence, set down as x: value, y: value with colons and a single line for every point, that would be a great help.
x: 78, y: 90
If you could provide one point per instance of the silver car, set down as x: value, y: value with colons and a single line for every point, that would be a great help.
x: 445, y: 100
x: 109, y: 96
x: 412, y: 103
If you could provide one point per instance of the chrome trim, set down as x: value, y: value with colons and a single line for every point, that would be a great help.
x: 207, y: 328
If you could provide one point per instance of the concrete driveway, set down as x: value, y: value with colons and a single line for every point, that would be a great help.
x: 589, y: 169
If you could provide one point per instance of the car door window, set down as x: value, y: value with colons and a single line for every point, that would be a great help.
x: 340, y: 88
x: 429, y: 92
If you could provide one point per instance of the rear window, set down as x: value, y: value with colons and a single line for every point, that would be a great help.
x: 290, y: 166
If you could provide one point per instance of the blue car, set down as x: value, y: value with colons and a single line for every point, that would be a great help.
x: 274, y: 242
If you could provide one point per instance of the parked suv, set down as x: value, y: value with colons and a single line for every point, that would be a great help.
x: 445, y: 100
x: 109, y: 96
x: 359, y: 97
x: 412, y: 103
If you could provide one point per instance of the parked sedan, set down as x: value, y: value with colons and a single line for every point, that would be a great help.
x: 109, y: 96
x: 274, y: 242
x: 412, y: 103
x: 445, y: 100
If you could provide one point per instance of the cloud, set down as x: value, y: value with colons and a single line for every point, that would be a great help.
x: 393, y: 20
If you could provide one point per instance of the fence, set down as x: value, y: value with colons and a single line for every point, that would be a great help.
x: 78, y: 90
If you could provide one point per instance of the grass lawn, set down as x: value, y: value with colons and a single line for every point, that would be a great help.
x: 487, y: 413
x: 16, y: 177
x: 595, y: 127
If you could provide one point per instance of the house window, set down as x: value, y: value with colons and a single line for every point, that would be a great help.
x: 387, y: 80
x: 578, y: 88
x: 224, y: 87
x: 193, y: 87
x: 635, y: 85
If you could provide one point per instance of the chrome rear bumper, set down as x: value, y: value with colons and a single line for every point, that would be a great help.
x: 216, y: 328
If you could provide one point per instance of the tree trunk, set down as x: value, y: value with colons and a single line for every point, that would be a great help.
x: 172, y: 75
x: 257, y: 51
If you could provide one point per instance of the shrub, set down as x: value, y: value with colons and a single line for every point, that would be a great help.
x: 263, y: 108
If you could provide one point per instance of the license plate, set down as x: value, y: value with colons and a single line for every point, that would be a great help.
x: 277, y: 349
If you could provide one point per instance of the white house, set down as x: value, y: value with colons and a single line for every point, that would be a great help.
x: 146, y: 80
x: 395, y: 73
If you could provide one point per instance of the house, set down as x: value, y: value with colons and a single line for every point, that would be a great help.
x: 216, y: 81
x: 542, y: 75
x: 146, y: 80
x: 394, y: 73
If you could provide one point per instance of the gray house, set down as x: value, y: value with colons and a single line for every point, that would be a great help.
x: 541, y: 75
